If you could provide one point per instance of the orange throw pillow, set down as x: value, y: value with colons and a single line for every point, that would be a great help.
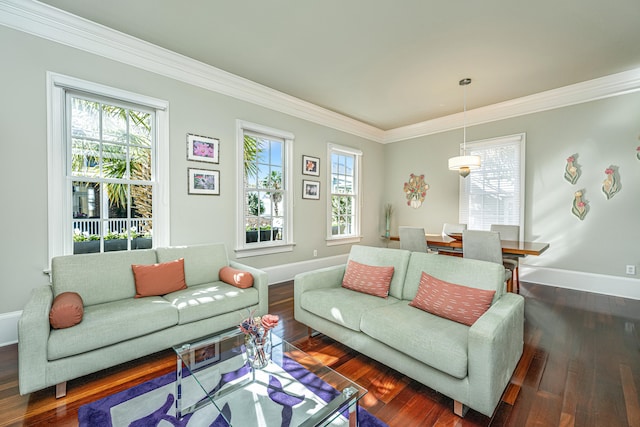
x: 459, y: 303
x: 66, y: 311
x: 238, y: 278
x: 159, y: 279
x: 368, y: 279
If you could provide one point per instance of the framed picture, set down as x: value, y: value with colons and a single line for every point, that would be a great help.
x: 310, y: 189
x: 203, y: 148
x: 203, y: 181
x: 310, y: 165
x: 205, y: 356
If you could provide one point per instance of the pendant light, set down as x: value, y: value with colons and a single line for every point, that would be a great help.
x: 463, y: 164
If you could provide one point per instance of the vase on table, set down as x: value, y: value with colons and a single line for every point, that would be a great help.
x: 258, y: 349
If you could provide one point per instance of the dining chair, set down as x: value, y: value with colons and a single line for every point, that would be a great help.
x: 412, y: 239
x: 512, y: 262
x: 485, y: 246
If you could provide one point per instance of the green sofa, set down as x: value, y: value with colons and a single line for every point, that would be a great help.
x: 472, y: 365
x: 116, y: 327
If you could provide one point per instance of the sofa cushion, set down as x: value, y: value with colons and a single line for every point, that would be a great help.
x: 201, y: 262
x: 159, y: 279
x: 111, y: 323
x: 459, y: 303
x: 398, y: 258
x: 463, y: 271
x: 238, y: 278
x: 368, y: 279
x: 98, y: 278
x: 342, y: 306
x: 211, y: 299
x: 433, y: 340
x: 66, y: 311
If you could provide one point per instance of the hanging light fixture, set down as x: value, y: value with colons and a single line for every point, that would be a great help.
x: 463, y: 164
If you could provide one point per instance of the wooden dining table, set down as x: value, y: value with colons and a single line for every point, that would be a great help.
x: 450, y: 246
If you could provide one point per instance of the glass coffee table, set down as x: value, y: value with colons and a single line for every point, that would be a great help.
x: 293, y: 389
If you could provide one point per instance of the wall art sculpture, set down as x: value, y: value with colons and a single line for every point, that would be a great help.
x: 572, y: 169
x: 580, y: 208
x: 416, y: 190
x: 611, y: 184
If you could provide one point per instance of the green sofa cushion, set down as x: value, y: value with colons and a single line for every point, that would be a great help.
x: 342, y: 306
x: 211, y: 299
x: 111, y: 323
x: 201, y: 262
x: 433, y: 340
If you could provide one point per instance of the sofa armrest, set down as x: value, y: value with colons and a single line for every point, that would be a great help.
x: 328, y: 277
x: 33, y: 336
x: 496, y: 342
x: 260, y: 282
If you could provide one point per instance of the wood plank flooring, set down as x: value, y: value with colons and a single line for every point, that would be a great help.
x: 580, y: 367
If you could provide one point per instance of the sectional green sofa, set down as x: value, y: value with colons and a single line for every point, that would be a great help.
x: 470, y: 364
x: 116, y: 327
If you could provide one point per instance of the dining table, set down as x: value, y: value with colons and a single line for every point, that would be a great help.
x: 450, y: 246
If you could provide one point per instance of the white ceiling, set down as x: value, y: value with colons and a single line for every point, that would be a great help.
x: 389, y: 63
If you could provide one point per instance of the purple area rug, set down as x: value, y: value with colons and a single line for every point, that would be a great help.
x: 153, y: 403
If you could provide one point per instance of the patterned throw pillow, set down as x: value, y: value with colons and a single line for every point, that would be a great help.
x: 459, y: 303
x: 368, y: 279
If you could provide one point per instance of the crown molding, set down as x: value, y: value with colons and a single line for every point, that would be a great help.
x: 47, y: 22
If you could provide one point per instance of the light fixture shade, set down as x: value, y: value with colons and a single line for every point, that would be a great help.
x: 469, y: 162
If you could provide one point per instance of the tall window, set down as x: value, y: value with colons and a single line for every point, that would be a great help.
x: 344, y: 201
x: 104, y: 169
x: 265, y: 204
x: 494, y: 194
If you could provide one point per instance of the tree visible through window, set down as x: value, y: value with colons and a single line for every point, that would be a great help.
x: 344, y: 192
x: 110, y: 171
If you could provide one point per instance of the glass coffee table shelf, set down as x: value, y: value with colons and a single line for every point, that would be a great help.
x: 294, y: 386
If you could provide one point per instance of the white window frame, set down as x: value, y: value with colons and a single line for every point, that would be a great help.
x: 60, y: 226
x: 287, y: 243
x: 478, y: 148
x: 355, y: 237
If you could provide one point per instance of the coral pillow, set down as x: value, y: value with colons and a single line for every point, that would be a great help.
x: 66, y: 311
x: 459, y: 303
x: 238, y: 278
x: 159, y: 279
x: 368, y: 279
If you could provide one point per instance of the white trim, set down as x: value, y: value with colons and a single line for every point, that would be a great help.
x: 61, y: 27
x: 285, y: 272
x: 623, y: 287
x: 9, y: 327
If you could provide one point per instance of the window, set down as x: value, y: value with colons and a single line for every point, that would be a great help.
x: 104, y: 187
x: 343, y: 225
x: 265, y: 203
x: 494, y: 194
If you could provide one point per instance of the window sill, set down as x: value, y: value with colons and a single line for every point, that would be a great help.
x: 343, y: 240
x: 263, y: 250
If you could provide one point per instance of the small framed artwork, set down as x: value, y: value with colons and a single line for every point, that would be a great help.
x: 310, y: 189
x: 310, y: 165
x: 203, y: 148
x: 203, y: 181
x: 205, y: 356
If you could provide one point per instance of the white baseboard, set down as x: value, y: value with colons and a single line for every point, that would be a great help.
x: 9, y: 328
x: 285, y: 272
x: 624, y: 287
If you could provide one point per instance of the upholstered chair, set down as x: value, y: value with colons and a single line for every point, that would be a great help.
x: 485, y: 246
x: 512, y: 262
x: 412, y: 239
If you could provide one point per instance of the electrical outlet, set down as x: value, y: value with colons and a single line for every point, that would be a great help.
x: 315, y: 253
x: 631, y: 269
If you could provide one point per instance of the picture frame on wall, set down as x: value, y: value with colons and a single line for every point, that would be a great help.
x: 310, y: 165
x: 310, y: 189
x: 204, y: 181
x: 203, y: 148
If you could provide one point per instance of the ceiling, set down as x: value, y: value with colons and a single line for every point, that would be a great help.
x: 389, y: 63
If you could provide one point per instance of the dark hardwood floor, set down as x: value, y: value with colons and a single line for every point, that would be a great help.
x: 581, y: 366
